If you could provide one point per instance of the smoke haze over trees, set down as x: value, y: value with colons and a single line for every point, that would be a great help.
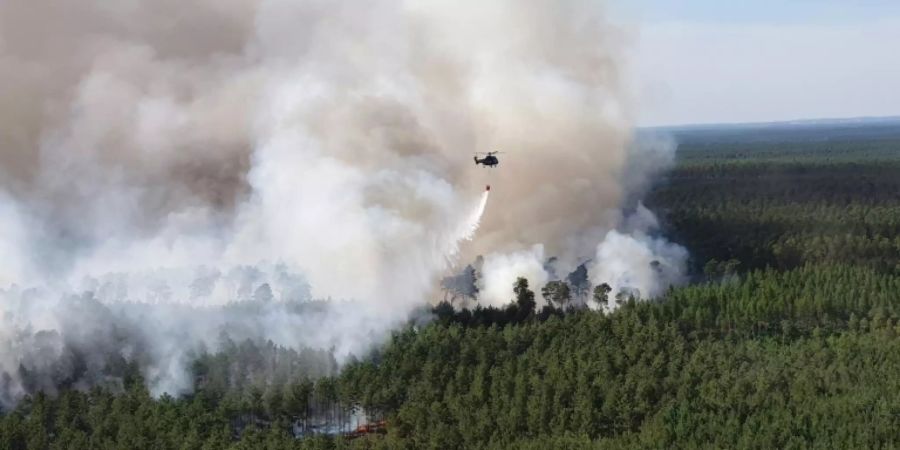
x: 162, y: 160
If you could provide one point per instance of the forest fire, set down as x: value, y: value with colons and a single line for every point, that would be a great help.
x: 379, y: 427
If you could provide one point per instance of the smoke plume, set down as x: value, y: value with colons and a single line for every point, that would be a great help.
x: 159, y: 160
x: 626, y: 252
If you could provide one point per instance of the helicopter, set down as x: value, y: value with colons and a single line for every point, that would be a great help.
x: 489, y: 160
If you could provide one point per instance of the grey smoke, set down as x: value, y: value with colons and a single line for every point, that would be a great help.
x: 160, y: 161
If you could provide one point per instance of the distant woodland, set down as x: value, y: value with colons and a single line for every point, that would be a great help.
x: 785, y: 337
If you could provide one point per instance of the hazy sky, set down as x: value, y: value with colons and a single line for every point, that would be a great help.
x: 699, y: 61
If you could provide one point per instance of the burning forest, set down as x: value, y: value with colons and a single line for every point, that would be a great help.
x: 434, y: 224
x: 160, y: 175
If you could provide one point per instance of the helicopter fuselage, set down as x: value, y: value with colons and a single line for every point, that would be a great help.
x: 487, y: 161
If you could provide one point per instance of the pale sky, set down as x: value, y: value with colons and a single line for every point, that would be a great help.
x: 706, y: 61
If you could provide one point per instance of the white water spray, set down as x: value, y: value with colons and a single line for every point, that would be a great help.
x: 473, y: 221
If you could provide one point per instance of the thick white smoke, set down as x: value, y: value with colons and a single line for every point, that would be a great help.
x: 635, y: 263
x: 160, y: 157
x: 500, y: 271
